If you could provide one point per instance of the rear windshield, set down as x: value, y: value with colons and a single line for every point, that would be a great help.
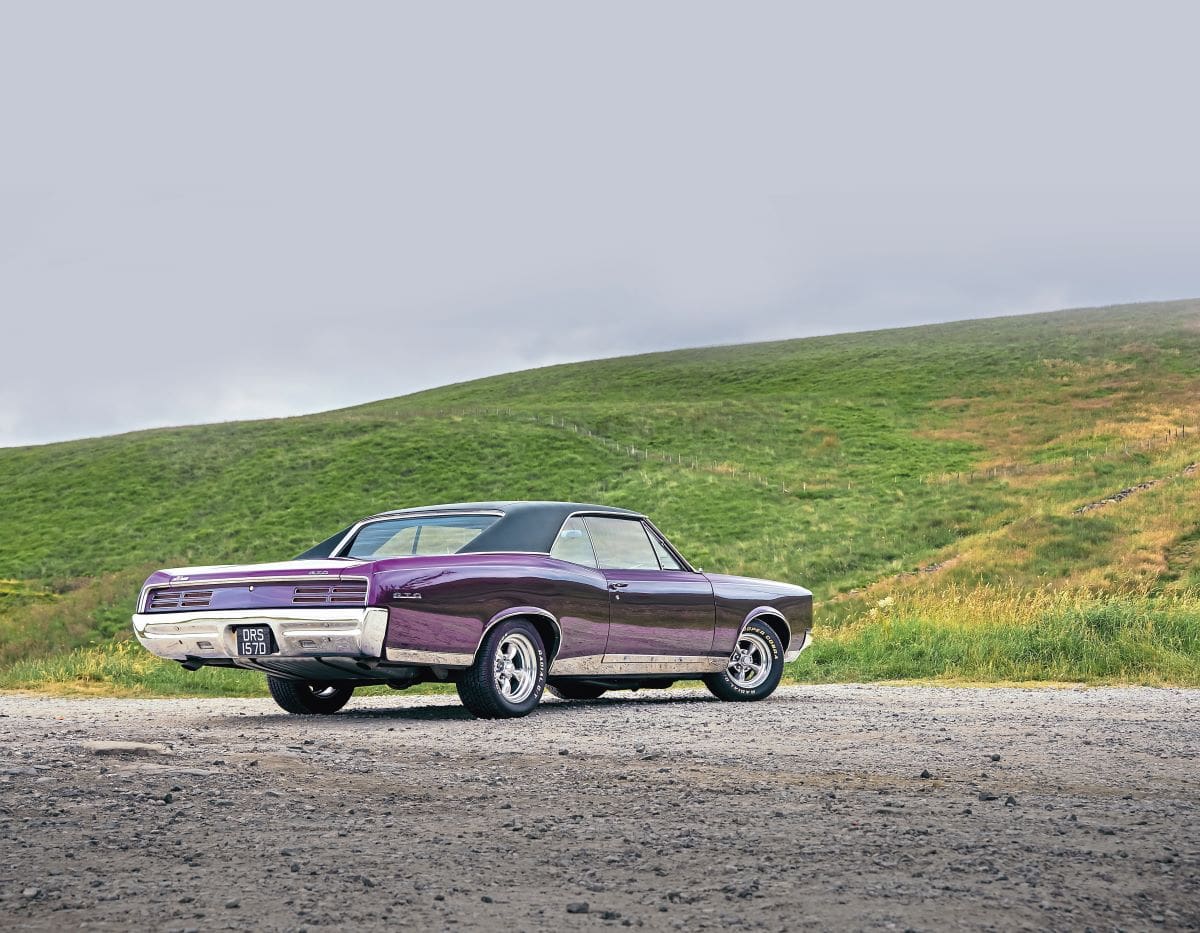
x: 418, y: 535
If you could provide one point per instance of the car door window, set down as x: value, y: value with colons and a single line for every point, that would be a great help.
x: 621, y: 544
x: 573, y: 544
x: 666, y: 559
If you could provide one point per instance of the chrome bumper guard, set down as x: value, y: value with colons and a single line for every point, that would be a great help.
x: 795, y: 652
x: 299, y: 633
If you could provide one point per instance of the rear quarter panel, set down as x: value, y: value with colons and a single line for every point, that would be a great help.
x: 460, y: 594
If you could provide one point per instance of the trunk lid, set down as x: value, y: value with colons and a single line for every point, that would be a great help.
x: 311, y: 583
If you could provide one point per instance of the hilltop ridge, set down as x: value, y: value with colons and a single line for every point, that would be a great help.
x: 847, y: 463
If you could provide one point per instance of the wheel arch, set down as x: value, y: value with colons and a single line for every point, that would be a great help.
x: 547, y: 626
x: 773, y: 618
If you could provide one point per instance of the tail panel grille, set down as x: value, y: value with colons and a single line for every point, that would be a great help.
x: 334, y: 594
x: 180, y: 599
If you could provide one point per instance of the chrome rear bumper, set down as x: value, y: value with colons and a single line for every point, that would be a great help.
x: 299, y: 633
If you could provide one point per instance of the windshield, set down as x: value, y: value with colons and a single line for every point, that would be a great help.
x: 417, y: 535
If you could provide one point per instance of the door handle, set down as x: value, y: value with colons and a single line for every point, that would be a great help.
x: 617, y: 586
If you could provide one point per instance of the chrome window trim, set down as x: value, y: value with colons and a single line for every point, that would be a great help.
x: 394, y: 516
x: 584, y: 513
x: 426, y: 512
x: 367, y: 560
x: 641, y: 521
x: 591, y: 543
x: 337, y: 554
x: 684, y: 565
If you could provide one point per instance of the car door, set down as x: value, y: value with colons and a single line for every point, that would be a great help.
x: 653, y: 612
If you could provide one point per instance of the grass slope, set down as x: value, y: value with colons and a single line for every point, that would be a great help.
x: 847, y: 463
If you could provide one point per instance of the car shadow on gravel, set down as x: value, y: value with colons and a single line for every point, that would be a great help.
x: 551, y: 707
x: 451, y: 712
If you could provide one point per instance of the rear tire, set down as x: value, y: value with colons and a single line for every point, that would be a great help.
x: 565, y: 690
x: 755, y: 666
x: 509, y: 673
x: 308, y: 699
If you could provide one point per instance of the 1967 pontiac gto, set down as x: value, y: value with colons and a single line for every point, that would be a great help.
x: 504, y: 599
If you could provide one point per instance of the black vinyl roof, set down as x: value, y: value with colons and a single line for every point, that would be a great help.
x: 523, y: 526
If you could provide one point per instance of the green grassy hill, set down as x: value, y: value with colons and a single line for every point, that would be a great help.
x: 923, y: 482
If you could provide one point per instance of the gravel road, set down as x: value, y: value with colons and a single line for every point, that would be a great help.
x: 852, y: 807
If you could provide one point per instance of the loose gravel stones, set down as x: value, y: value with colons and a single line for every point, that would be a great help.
x: 830, y: 807
x: 123, y: 748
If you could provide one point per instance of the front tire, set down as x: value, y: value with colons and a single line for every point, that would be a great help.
x: 509, y: 673
x: 308, y: 699
x: 755, y: 666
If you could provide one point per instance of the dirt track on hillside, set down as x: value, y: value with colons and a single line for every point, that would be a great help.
x: 664, y: 811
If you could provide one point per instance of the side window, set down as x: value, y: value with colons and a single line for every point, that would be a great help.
x: 621, y: 544
x: 573, y: 544
x: 665, y: 558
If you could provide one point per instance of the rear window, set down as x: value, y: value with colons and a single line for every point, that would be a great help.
x: 428, y: 535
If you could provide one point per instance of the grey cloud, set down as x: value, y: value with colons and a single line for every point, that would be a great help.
x: 237, y: 210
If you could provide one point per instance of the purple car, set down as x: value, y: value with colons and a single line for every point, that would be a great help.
x: 503, y: 599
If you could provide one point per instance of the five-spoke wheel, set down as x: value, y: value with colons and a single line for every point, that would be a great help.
x: 516, y: 667
x: 750, y: 663
x: 754, y: 667
x: 509, y: 673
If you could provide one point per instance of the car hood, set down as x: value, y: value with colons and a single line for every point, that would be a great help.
x: 724, y: 583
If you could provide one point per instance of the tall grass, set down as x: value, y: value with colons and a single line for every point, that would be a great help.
x: 1008, y: 633
x: 123, y: 668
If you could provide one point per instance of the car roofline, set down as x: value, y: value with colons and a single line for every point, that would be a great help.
x: 503, y: 508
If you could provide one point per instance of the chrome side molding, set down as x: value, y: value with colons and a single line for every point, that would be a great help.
x: 622, y: 664
x: 429, y: 658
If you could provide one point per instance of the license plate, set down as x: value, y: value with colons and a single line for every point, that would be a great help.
x: 255, y: 641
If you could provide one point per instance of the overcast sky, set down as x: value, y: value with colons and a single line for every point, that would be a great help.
x: 214, y: 211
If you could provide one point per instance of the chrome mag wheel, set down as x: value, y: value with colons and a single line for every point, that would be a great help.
x: 750, y: 663
x: 516, y: 667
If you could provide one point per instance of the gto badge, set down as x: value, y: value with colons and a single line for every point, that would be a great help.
x: 406, y: 595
